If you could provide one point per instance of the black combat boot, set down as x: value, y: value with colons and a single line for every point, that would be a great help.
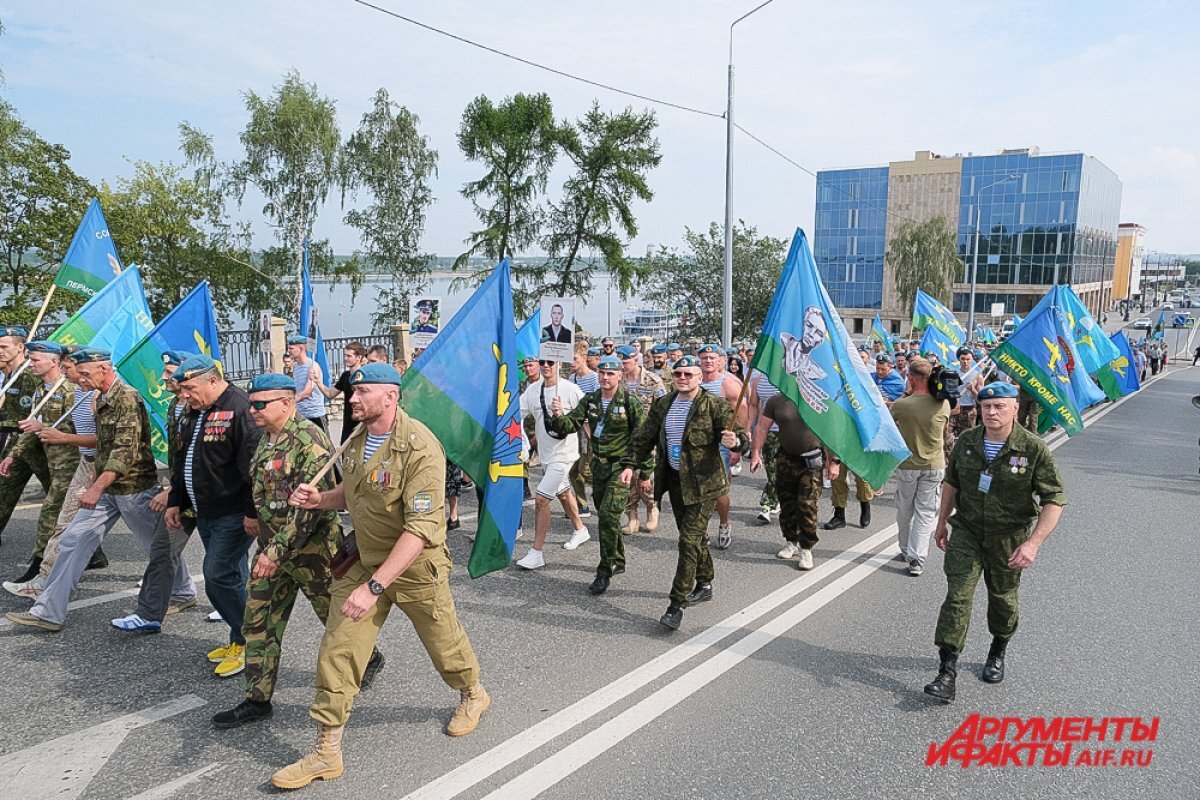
x: 702, y: 593
x: 864, y: 514
x: 943, y: 685
x: 673, y: 618
x: 599, y: 585
x: 993, y: 668
x: 243, y: 712
x: 374, y: 665
x: 98, y: 560
x: 838, y: 520
x: 35, y: 566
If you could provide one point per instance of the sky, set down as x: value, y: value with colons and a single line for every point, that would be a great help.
x: 826, y: 84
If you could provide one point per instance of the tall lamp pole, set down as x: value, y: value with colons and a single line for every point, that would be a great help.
x: 727, y: 308
x: 975, y: 260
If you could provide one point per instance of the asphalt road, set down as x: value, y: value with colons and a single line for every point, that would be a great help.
x: 788, y: 684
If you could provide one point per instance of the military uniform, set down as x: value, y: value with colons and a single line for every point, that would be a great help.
x: 300, y: 542
x: 646, y: 389
x: 17, y: 405
x: 612, y: 434
x: 59, y: 461
x: 18, y: 400
x: 989, y: 525
x: 695, y: 486
x: 401, y: 488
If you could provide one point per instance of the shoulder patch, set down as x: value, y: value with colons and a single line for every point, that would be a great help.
x: 422, y: 503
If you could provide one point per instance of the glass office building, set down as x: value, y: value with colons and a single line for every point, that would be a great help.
x: 848, y: 243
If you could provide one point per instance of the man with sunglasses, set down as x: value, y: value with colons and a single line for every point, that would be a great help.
x: 608, y: 345
x: 689, y: 427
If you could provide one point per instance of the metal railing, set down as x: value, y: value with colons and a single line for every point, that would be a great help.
x: 242, y: 357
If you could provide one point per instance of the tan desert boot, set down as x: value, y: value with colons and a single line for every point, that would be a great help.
x: 324, y: 762
x: 466, y: 717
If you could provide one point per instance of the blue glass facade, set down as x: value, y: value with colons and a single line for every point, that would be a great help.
x: 1036, y: 215
x: 848, y: 241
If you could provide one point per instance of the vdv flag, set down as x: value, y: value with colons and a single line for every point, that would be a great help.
x: 475, y: 411
x: 91, y: 260
x: 1016, y: 321
x: 1096, y: 350
x: 1160, y: 326
x: 309, y: 325
x: 528, y: 337
x: 928, y: 312
x: 879, y: 334
x: 1040, y: 357
x: 805, y: 351
x: 115, y: 318
x: 190, y: 326
x: 1119, y: 377
x: 936, y: 343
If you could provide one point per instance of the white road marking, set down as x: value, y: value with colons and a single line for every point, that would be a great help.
x: 166, y: 790
x: 62, y: 768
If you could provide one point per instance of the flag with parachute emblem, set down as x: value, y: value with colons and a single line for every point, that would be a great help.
x: 805, y: 351
x: 1095, y: 349
x: 936, y: 343
x: 880, y: 335
x: 115, y: 318
x: 929, y: 313
x: 464, y: 389
x: 529, y: 337
x: 1160, y: 326
x: 1119, y: 377
x: 91, y: 260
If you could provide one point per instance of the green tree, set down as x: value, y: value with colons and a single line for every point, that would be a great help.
x: 611, y: 153
x: 392, y: 163
x: 690, y: 281
x: 924, y: 255
x: 41, y: 203
x: 517, y: 144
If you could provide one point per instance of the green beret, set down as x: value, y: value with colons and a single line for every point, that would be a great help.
x: 686, y: 361
x: 997, y: 390
x: 272, y: 382
x: 610, y: 364
x: 710, y: 348
x: 194, y: 366
x: 12, y: 330
x: 44, y: 347
x: 90, y: 355
x: 375, y: 372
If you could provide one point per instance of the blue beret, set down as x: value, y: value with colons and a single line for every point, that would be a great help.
x: 175, y: 357
x: 375, y: 372
x: 272, y: 382
x: 595, y: 351
x: 12, y: 330
x: 884, y: 357
x: 997, y: 390
x: 90, y: 355
x: 674, y: 346
x: 71, y: 349
x: 298, y: 340
x: 962, y: 351
x: 44, y: 347
x: 625, y: 351
x: 658, y: 349
x: 194, y: 366
x: 686, y: 361
x: 610, y: 363
x: 710, y: 348
x: 862, y: 348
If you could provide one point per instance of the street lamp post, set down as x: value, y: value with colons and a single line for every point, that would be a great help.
x: 727, y: 308
x: 975, y: 260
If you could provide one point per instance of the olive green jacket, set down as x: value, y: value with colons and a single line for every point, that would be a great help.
x: 624, y: 417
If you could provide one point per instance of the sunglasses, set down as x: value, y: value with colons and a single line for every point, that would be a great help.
x: 259, y: 405
x: 546, y: 363
x: 681, y: 374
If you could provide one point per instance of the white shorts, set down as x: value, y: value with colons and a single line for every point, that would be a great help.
x: 555, y: 481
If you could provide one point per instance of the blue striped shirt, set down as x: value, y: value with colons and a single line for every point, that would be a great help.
x: 373, y: 443
x: 991, y: 449
x: 187, y: 463
x: 677, y: 416
x: 586, y: 383
x: 84, y: 418
x: 766, y: 390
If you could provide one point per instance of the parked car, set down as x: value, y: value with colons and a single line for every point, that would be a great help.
x: 1168, y: 306
x: 1143, y: 323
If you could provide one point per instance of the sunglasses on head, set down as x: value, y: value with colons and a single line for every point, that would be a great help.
x: 259, y: 405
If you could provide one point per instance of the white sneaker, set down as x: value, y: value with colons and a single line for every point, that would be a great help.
x: 776, y: 509
x: 805, y: 561
x: 30, y: 590
x: 215, y: 616
x: 736, y: 469
x: 764, y: 516
x: 724, y: 537
x: 532, y: 560
x: 577, y: 538
x: 789, y: 550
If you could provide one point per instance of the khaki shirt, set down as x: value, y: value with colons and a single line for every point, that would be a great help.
x: 402, y: 487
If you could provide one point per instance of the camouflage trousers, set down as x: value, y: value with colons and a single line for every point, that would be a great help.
x: 85, y: 476
x: 959, y: 423
x: 968, y: 555
x: 610, y: 498
x: 770, y: 494
x: 695, y: 564
x: 269, y: 607
x: 55, y: 485
x: 636, y: 495
x: 580, y: 474
x: 1028, y: 412
x: 799, y: 490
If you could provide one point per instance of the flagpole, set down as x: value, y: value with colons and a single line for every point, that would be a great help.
x: 11, y: 381
x: 38, y: 319
x: 54, y: 387
x: 333, y: 458
x: 71, y: 410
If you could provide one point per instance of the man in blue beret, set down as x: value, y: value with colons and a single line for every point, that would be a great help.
x: 658, y: 361
x: 717, y: 381
x: 963, y: 416
x: 17, y: 396
x: 394, y: 488
x: 999, y: 481
x: 645, y: 386
x: 674, y: 353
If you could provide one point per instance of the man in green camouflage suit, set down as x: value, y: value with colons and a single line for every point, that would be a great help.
x: 15, y: 403
x: 688, y: 426
x: 295, y: 546
x: 613, y: 415
x: 28, y: 456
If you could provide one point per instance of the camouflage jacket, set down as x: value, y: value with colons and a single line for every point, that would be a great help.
x: 646, y: 388
x: 123, y: 440
x: 701, y: 470
x: 612, y: 439
x: 18, y: 401
x: 298, y: 453
x: 1023, y: 468
x: 60, y: 456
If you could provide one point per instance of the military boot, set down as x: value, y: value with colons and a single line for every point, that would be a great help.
x: 838, y: 520
x: 651, y: 516
x: 631, y: 515
x: 35, y: 566
x: 993, y: 668
x: 466, y: 717
x: 324, y: 762
x: 943, y: 685
x: 864, y: 514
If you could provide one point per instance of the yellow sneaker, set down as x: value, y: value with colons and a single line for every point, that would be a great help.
x: 233, y: 663
x: 218, y: 655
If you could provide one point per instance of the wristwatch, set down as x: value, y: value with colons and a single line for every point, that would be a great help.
x: 375, y: 586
